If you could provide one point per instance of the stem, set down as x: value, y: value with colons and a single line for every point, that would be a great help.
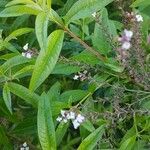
x: 88, y: 48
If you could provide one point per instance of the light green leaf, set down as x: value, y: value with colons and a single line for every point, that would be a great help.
x: 47, y: 59
x: 41, y: 25
x: 128, y: 144
x: 85, y: 8
x: 55, y: 18
x: 60, y: 132
x: 10, y: 47
x: 15, y: 2
x: 73, y: 95
x: 49, y: 4
x: 140, y: 3
x: 14, y: 61
x: 18, y: 32
x: 18, y: 10
x: 24, y: 93
x: 46, y: 129
x: 27, y: 70
x: 7, y: 97
x: 90, y: 142
x: 65, y: 69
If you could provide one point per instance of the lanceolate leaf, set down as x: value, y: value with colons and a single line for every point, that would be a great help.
x: 15, y: 2
x: 41, y: 25
x: 85, y: 8
x: 128, y: 144
x: 90, y: 142
x: 7, y: 97
x: 14, y: 61
x: 24, y: 93
x: 18, y: 10
x: 47, y: 59
x: 46, y: 129
x: 18, y: 32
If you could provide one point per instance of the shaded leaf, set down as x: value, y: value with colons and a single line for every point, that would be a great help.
x: 90, y: 141
x: 46, y: 129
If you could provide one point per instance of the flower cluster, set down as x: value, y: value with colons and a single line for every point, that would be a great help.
x: 76, y: 119
x: 125, y: 39
x: 28, y: 53
x: 82, y: 75
x: 24, y: 146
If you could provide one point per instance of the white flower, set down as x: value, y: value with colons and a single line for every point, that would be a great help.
x: 80, y: 118
x: 126, y: 45
x: 24, y: 144
x: 76, y: 77
x: 75, y: 123
x: 63, y: 113
x: 25, y: 47
x: 72, y: 115
x: 28, y: 55
x: 23, y: 54
x: 139, y: 18
x: 128, y: 33
x: 94, y: 14
x: 59, y: 119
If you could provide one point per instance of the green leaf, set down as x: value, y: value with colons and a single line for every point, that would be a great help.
x: 46, y: 129
x: 9, y: 46
x: 138, y: 3
x: 85, y: 8
x: 4, y: 139
x: 18, y: 32
x: 60, y: 132
x: 24, y: 93
x: 14, y: 61
x: 27, y: 70
x: 41, y: 25
x: 15, y: 2
x: 49, y: 4
x: 65, y: 69
x: 73, y: 95
x: 90, y: 142
x: 128, y: 144
x: 47, y: 59
x: 7, y: 97
x: 55, y: 18
x: 18, y: 10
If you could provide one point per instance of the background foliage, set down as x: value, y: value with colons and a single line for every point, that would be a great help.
x: 76, y: 65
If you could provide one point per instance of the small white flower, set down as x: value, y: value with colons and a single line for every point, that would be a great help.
x: 126, y: 45
x: 59, y: 119
x: 72, y: 115
x: 63, y: 113
x: 76, y: 77
x: 94, y: 14
x: 28, y: 55
x: 25, y: 47
x: 128, y: 33
x: 23, y: 54
x: 24, y: 144
x: 139, y: 18
x: 75, y: 123
x: 80, y: 118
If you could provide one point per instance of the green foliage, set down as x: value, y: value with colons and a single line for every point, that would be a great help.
x: 70, y: 77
